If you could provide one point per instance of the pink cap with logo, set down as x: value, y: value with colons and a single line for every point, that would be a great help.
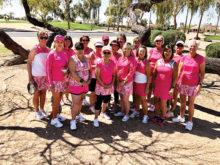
x: 59, y: 37
x: 105, y: 37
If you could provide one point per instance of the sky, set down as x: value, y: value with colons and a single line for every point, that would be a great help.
x: 210, y: 16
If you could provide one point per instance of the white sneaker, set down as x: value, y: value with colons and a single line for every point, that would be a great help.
x: 56, y: 123
x: 96, y: 122
x: 119, y: 114
x: 152, y: 108
x: 92, y: 109
x: 134, y: 114
x: 68, y: 101
x: 85, y: 102
x: 125, y: 118
x: 105, y: 116
x: 145, y: 119
x: 73, y: 125
x: 61, y: 118
x: 189, y: 125
x: 38, y: 115
x: 61, y: 103
x: 42, y: 111
x: 80, y: 118
x: 178, y: 119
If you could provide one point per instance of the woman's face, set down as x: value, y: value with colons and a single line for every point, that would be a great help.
x: 59, y: 45
x: 121, y: 41
x: 98, y: 49
x: 85, y: 41
x: 136, y: 44
x: 158, y: 42
x: 106, y: 54
x: 79, y: 52
x: 193, y: 47
x: 141, y: 53
x: 43, y: 39
x: 67, y: 43
x: 114, y: 47
x: 179, y: 48
x: 167, y: 54
x: 126, y: 51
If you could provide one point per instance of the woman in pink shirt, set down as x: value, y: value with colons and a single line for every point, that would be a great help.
x: 36, y: 66
x: 177, y: 57
x: 136, y: 43
x: 154, y: 55
x: 121, y: 39
x: 125, y: 75
x: 191, y: 76
x: 79, y: 82
x: 57, y: 62
x: 94, y: 58
x: 141, y: 83
x: 164, y: 81
x: 105, y: 75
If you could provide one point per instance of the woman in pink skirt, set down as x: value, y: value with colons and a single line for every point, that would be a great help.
x: 191, y: 76
x: 105, y: 75
x: 125, y: 76
x: 164, y: 81
x: 154, y: 55
x: 36, y: 67
x: 141, y: 83
x: 79, y: 82
x: 57, y: 61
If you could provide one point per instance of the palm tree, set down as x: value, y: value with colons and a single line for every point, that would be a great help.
x: 218, y: 11
x: 194, y: 6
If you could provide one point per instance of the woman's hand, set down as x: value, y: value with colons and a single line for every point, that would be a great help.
x: 171, y: 91
x: 198, y: 89
x: 84, y: 84
x: 52, y: 89
x: 147, y: 89
x: 122, y: 83
x: 31, y: 80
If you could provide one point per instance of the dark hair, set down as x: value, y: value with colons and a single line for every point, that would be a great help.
x: 114, y: 42
x: 142, y: 46
x: 83, y: 37
x: 166, y: 47
x: 71, y: 41
x: 122, y: 35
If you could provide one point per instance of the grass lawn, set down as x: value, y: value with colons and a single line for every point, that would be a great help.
x: 4, y: 50
x: 212, y: 37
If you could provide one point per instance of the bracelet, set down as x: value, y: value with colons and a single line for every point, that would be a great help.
x: 81, y: 80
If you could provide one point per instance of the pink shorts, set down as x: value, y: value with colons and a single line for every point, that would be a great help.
x: 41, y: 82
x: 127, y: 89
x: 187, y: 90
x: 78, y: 90
x: 139, y: 89
x: 59, y: 86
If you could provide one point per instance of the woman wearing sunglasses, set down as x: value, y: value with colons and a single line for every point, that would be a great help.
x: 125, y: 76
x: 36, y: 67
x: 154, y: 55
x: 79, y: 82
x: 57, y: 62
x: 105, y: 75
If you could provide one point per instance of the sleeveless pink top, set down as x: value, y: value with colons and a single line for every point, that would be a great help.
x: 154, y: 56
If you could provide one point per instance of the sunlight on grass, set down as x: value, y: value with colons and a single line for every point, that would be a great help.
x: 75, y: 26
x: 4, y: 50
x: 212, y: 37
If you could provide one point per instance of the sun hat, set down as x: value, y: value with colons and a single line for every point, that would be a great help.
x: 99, y: 43
x: 179, y: 42
x: 106, y: 48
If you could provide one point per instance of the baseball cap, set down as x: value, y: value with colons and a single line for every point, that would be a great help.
x: 180, y: 42
x: 114, y: 42
x: 106, y: 48
x: 58, y: 37
x: 79, y: 46
x: 105, y: 37
x: 99, y: 43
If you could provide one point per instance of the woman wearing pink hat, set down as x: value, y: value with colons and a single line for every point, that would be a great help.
x: 79, y: 80
x: 57, y: 62
x: 105, y: 39
x: 94, y: 57
x: 36, y: 67
x: 105, y: 75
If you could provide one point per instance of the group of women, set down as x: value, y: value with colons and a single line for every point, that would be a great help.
x: 115, y: 68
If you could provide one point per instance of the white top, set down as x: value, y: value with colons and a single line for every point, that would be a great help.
x: 140, y: 77
x: 39, y: 64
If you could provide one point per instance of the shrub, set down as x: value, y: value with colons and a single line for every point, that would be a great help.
x: 213, y: 50
x: 154, y: 33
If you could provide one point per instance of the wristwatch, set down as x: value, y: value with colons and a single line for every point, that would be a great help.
x: 81, y: 80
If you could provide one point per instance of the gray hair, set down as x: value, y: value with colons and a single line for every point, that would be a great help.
x: 193, y: 41
x: 127, y: 44
x: 159, y: 36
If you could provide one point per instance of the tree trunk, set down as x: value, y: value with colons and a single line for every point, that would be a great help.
x: 187, y: 13
x: 190, y: 21
x: 174, y: 15
x: 212, y: 65
x: 118, y: 22
x: 197, y: 35
x: 217, y: 23
x: 98, y: 14
x: 14, y: 61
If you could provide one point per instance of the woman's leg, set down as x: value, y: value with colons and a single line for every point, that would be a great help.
x: 163, y: 105
x: 191, y: 100
x: 122, y: 103
x: 126, y: 104
x: 157, y: 106
x: 92, y: 99
x: 174, y: 100
x: 137, y: 102
x: 149, y: 93
x: 98, y: 105
x: 77, y: 102
x: 56, y: 103
x: 182, y: 105
x: 144, y: 104
x: 36, y: 100
x: 67, y: 91
x: 42, y: 98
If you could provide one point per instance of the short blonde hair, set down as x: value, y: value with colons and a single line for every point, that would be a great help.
x: 137, y: 39
x: 41, y: 33
x: 193, y: 41
x: 159, y: 36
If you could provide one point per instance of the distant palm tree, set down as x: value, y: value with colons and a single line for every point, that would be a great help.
x: 193, y: 6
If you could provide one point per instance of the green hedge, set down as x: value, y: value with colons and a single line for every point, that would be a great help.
x: 170, y: 37
x: 213, y: 50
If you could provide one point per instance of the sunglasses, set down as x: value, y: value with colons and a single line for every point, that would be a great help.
x: 179, y: 45
x: 99, y: 46
x: 79, y: 48
x: 44, y: 38
x: 106, y: 40
x: 86, y: 40
x: 159, y: 40
x: 107, y: 53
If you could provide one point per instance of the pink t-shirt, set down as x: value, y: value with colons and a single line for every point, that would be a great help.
x: 126, y: 68
x: 56, y: 61
x: 88, y: 51
x: 106, y: 71
x: 190, y: 69
x: 115, y: 57
x: 154, y: 56
x: 177, y: 58
x: 69, y: 52
x: 94, y: 60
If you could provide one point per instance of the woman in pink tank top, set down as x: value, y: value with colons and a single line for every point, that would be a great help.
x: 191, y: 76
x: 36, y: 67
x: 57, y: 62
x: 105, y: 75
x: 164, y: 81
x: 154, y: 55
x: 141, y: 83
x: 80, y: 79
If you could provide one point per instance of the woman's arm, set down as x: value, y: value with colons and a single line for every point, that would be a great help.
x: 29, y: 62
x: 175, y: 73
x: 202, y: 76
x: 98, y: 77
x: 148, y: 74
x: 154, y: 75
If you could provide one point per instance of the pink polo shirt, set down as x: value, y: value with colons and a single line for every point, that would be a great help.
x: 190, y: 69
x: 56, y: 61
x: 106, y: 71
x: 154, y: 56
x: 126, y: 68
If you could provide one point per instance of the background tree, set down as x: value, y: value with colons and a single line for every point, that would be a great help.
x: 218, y: 12
x: 193, y: 7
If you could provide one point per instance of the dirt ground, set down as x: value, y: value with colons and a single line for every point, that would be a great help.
x: 27, y: 140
